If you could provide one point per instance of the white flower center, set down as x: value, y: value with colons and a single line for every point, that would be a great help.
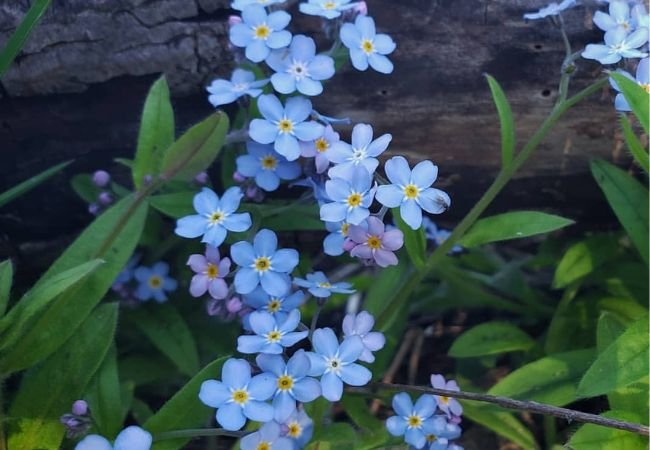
x: 298, y: 70
x: 334, y: 364
x: 240, y: 87
x: 358, y: 155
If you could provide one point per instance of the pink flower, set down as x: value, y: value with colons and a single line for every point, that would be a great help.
x: 210, y: 271
x: 361, y: 8
x: 374, y: 243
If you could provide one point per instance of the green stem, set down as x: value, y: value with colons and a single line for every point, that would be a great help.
x: 198, y: 432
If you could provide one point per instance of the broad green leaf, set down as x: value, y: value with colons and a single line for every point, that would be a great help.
x: 291, y: 217
x: 19, y: 37
x: 176, y: 205
x: 506, y: 121
x: 637, y: 97
x: 112, y: 237
x: 503, y: 423
x: 195, y: 150
x: 491, y: 338
x: 358, y: 410
x: 6, y: 278
x: 622, y: 363
x: 573, y: 323
x: 17, y: 322
x: 629, y: 200
x: 594, y: 437
x: 156, y: 132
x: 583, y: 257
x: 512, y: 225
x: 639, y: 153
x: 48, y: 390
x: 551, y: 380
x: 184, y: 409
x: 104, y: 396
x: 28, y: 185
x: 415, y: 241
x: 82, y: 184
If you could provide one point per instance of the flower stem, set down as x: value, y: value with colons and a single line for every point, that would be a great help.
x: 198, y: 432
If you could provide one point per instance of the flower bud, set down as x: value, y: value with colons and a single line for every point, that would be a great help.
x: 234, y: 305
x: 201, y: 178
x: 80, y: 408
x: 238, y: 177
x: 101, y: 178
x: 234, y: 20
x: 251, y: 192
x: 105, y: 198
x: 361, y: 8
x: 214, y: 307
x: 93, y: 209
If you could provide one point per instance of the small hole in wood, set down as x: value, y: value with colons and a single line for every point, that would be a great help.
x: 384, y: 92
x: 546, y: 92
x: 538, y: 46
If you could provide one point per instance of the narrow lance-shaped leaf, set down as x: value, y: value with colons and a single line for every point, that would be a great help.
x: 28, y: 185
x: 415, y: 241
x: 6, y: 278
x: 639, y: 153
x: 104, y: 396
x: 637, y: 98
x: 501, y: 422
x: 506, y: 120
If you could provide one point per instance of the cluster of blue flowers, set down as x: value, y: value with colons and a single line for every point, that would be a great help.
x: 144, y: 283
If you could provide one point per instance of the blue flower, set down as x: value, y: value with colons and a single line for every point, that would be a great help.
x: 260, y: 32
x: 319, y: 148
x: 279, y: 306
x: 552, y: 9
x: 619, y: 16
x: 441, y: 434
x: 240, y: 5
x: 317, y: 185
x: 215, y: 217
x: 336, y: 363
x: 242, y: 83
x: 438, y: 235
x: 267, y: 166
x: 131, y: 438
x: 267, y: 437
x: 330, y: 9
x: 350, y: 199
x: 299, y: 68
x: 154, y: 282
x: 291, y: 380
x: 618, y: 44
x: 126, y: 275
x: 319, y: 286
x: 362, y: 152
x: 299, y: 428
x: 283, y: 126
x: 411, y: 191
x: 642, y: 78
x: 413, y: 422
x: 238, y: 395
x: 262, y: 264
x: 360, y: 325
x: 449, y: 406
x: 271, y: 335
x: 366, y: 47
x: 333, y: 243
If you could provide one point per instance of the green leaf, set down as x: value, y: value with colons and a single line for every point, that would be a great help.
x: 6, y: 278
x: 415, y: 241
x: 195, y: 150
x: 168, y: 332
x: 287, y: 217
x: 49, y: 389
x: 639, y: 153
x: 620, y: 364
x: 637, y: 97
x: 28, y: 185
x: 19, y: 37
x: 104, y: 396
x: 156, y: 132
x: 184, y: 409
x: 112, y: 236
x: 503, y: 423
x: 629, y: 200
x: 583, y: 257
x: 506, y: 121
x: 176, y: 205
x: 551, y: 380
x: 594, y: 437
x: 19, y: 319
x: 338, y: 435
x: 491, y: 338
x: 512, y: 225
x: 358, y: 410
x: 82, y: 184
x: 572, y: 326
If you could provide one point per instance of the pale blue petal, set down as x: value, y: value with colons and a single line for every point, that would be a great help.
x: 242, y: 76
x: 415, y: 437
x: 361, y: 135
x: 276, y: 284
x: 359, y: 59
x: 306, y: 390
x: 267, y: 180
x: 380, y: 63
x: 270, y: 107
x: 236, y: 373
x: 285, y: 260
x: 241, y: 35
x: 230, y: 199
x: 214, y: 236
x: 278, y: 20
x: 246, y: 280
x: 283, y: 406
x: 307, y: 86
x: 411, y: 214
x: 355, y: 375
x: 133, y: 438
x: 337, y: 189
x: 279, y: 39
x: 303, y: 48
x: 603, y: 21
x: 237, y: 222
x: 333, y: 244
x: 398, y: 171
x: 425, y: 406
x: 298, y: 364
x: 332, y: 387
x: 402, y: 404
x: 250, y: 344
x: 362, y: 180
x: 637, y: 38
x: 333, y: 212
x: 350, y: 36
x: 206, y: 201
x: 325, y: 342
x: 434, y: 200
x: 321, y: 68
x: 317, y: 365
x: 384, y: 44
x: 242, y: 253
x: 366, y: 26
x: 231, y: 417
x: 223, y: 98
x: 248, y: 165
x: 396, y: 425
x: 287, y: 146
x: 291, y: 339
x: 191, y: 226
x: 254, y: 15
x: 262, y: 386
x: 258, y: 411
x: 424, y: 174
x: 263, y: 131
x: 389, y: 195
x: 284, y: 83
x: 350, y: 349
x: 271, y: 363
x: 288, y: 170
x: 213, y: 393
x: 298, y: 110
x: 265, y: 243
x: 257, y: 51
x: 357, y: 215
x: 379, y: 145
x: 94, y: 442
x: 262, y: 322
x: 277, y: 60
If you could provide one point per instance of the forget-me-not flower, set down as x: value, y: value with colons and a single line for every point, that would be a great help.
x: 552, y: 9
x: 351, y: 198
x: 292, y: 382
x: 441, y: 434
x: 271, y: 336
x: 330, y: 9
x: 319, y: 148
x: 360, y: 325
x: 319, y: 286
x: 299, y: 68
x: 374, y: 243
x: 618, y: 45
x: 155, y: 282
x: 366, y: 46
x: 263, y: 264
x: 267, y: 166
x: 216, y: 216
x: 619, y: 16
x: 282, y: 126
x: 268, y: 437
x: 240, y: 5
x: 242, y: 83
x: 210, y: 270
x: 450, y: 406
x: 238, y: 395
x: 642, y: 79
x: 333, y: 242
x: 259, y: 32
x: 412, y: 191
x: 299, y: 428
x: 438, y: 235
x: 130, y: 438
x: 279, y: 306
x: 362, y: 152
x: 336, y: 363
x: 414, y: 422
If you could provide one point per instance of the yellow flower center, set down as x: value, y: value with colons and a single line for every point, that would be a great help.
x: 367, y: 46
x: 216, y: 218
x: 155, y: 282
x: 414, y: 421
x: 354, y: 200
x: 285, y: 382
x: 273, y: 336
x: 285, y: 126
x: 431, y: 438
x: 274, y: 305
x: 263, y: 446
x: 329, y: 5
x: 262, y: 31
x: 295, y: 430
x: 444, y: 399
x: 269, y: 162
x: 240, y: 396
x: 344, y: 229
x: 325, y: 285
x: 374, y: 242
x: 322, y: 145
x: 262, y: 264
x: 646, y: 87
x: 411, y: 191
x: 212, y: 271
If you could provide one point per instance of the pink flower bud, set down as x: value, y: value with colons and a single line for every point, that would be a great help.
x: 361, y: 8
x: 234, y: 20
x: 234, y: 305
x: 251, y: 192
x: 201, y: 178
x: 105, y: 198
x: 80, y: 408
x: 214, y: 307
x: 238, y: 177
x: 101, y: 178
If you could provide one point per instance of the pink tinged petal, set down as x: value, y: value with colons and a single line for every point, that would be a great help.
x: 385, y: 258
x: 398, y: 171
x: 393, y: 240
x: 361, y: 135
x: 325, y: 342
x: 355, y: 375
x: 424, y: 174
x: 358, y: 234
x: 455, y: 407
x: 218, y: 289
x: 211, y: 254
x: 364, y: 322
x: 214, y: 393
x: 332, y: 387
x: 438, y: 381
x: 374, y: 341
x: 198, y: 263
x: 375, y: 226
x: 379, y: 145
x: 198, y: 285
x: 361, y: 251
x: 236, y: 373
x: 224, y: 267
